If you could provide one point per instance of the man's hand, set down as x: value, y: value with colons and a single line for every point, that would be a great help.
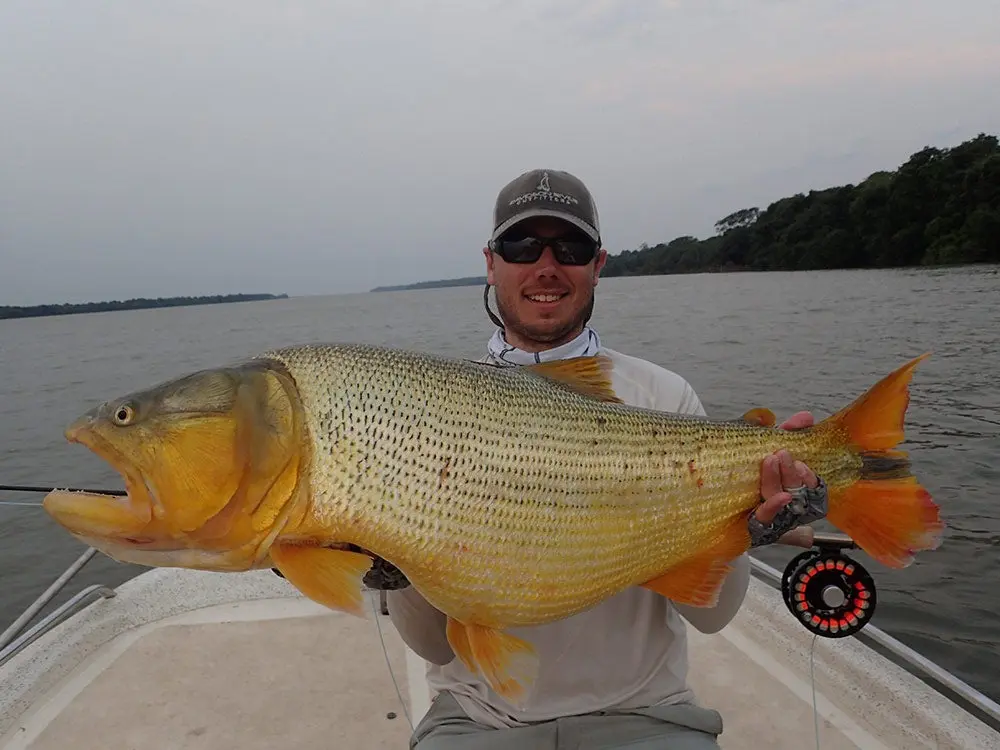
x: 780, y: 473
x: 384, y: 576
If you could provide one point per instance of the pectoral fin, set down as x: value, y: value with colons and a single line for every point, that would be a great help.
x: 507, y: 663
x: 697, y: 580
x: 331, y: 577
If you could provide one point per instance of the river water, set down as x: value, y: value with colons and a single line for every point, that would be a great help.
x: 787, y: 341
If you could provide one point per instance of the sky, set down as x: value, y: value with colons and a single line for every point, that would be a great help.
x: 195, y: 147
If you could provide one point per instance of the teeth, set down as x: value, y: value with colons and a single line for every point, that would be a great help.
x: 544, y: 297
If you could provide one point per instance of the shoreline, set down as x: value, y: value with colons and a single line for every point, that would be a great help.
x: 138, y: 303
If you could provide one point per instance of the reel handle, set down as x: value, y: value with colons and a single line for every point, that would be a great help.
x: 807, y: 538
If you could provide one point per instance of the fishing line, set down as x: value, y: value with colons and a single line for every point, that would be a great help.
x: 25, y: 505
x: 812, y: 680
x: 392, y: 674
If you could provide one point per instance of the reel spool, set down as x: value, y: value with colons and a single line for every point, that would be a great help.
x: 828, y: 592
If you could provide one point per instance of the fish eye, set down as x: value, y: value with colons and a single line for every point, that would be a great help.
x: 124, y: 414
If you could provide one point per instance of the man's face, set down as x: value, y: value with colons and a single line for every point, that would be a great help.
x: 544, y: 303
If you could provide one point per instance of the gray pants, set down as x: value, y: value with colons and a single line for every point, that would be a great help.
x: 679, y: 727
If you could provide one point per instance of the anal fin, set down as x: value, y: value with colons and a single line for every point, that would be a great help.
x: 331, y: 577
x: 509, y: 664
x: 697, y: 580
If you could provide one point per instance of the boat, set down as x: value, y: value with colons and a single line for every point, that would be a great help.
x: 178, y: 658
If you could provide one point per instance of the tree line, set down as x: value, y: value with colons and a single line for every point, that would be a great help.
x: 138, y: 303
x: 434, y: 284
x: 942, y: 207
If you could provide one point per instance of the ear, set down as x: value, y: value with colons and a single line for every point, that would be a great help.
x: 602, y: 258
x: 489, y: 267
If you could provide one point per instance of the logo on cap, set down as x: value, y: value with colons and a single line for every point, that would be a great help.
x: 543, y: 191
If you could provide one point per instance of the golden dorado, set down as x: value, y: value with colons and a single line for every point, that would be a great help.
x: 507, y: 496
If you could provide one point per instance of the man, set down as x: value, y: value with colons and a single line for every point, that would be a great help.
x: 615, y: 675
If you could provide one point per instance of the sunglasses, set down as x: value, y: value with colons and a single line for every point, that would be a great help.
x: 568, y: 252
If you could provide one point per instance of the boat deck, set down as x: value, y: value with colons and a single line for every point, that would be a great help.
x: 191, y: 660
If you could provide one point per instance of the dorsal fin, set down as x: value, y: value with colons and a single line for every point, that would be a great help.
x: 760, y: 416
x: 589, y: 376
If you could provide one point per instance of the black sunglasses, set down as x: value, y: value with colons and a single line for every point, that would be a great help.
x: 568, y: 252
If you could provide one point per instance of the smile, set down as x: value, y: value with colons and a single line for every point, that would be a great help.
x: 548, y: 297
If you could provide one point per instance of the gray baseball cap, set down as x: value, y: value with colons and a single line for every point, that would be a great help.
x: 546, y: 192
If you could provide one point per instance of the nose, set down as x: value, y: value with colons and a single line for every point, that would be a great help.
x: 546, y: 263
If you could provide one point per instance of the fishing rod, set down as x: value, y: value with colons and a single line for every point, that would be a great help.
x: 46, y: 490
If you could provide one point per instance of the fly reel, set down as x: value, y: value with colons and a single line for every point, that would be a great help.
x: 831, y: 594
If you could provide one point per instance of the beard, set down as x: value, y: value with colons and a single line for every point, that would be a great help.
x: 547, y: 332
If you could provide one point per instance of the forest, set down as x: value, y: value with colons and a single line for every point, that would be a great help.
x: 942, y: 207
x: 139, y: 303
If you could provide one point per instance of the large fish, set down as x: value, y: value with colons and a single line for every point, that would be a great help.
x: 508, y: 496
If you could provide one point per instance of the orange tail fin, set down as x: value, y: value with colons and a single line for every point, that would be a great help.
x: 886, y: 512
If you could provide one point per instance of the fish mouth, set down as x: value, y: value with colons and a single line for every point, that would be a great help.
x: 121, y: 519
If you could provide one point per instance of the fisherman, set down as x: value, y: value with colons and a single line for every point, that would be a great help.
x: 614, y: 675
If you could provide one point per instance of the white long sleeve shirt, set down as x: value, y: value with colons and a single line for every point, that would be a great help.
x: 630, y: 651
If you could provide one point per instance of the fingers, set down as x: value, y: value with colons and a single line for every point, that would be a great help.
x: 800, y: 536
x: 797, y: 421
x: 794, y: 473
x: 790, y: 478
x: 780, y: 472
x: 770, y: 508
x: 770, y: 478
x: 806, y: 475
x: 774, y: 496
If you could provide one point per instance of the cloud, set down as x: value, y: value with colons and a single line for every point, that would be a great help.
x: 321, y: 147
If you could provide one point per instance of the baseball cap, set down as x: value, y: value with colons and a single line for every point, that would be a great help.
x: 546, y: 192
